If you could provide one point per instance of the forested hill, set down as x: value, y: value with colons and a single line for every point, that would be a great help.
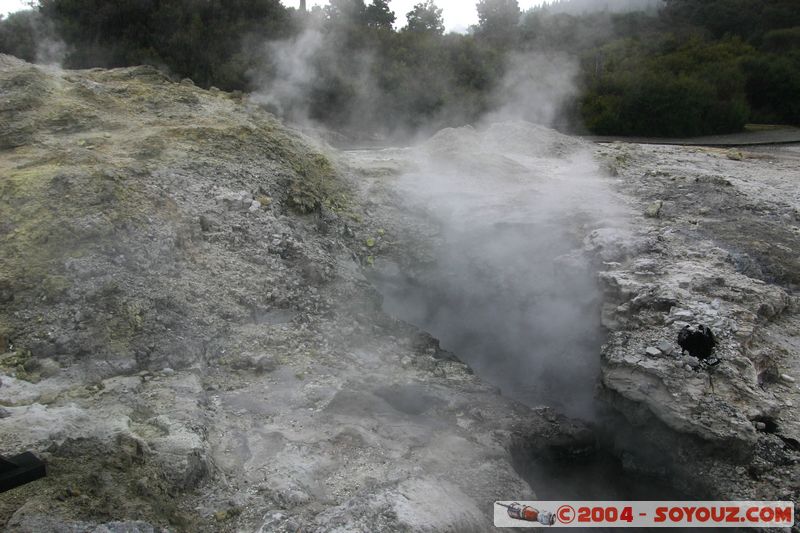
x: 689, y: 68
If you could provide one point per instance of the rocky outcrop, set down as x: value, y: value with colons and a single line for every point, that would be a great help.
x: 728, y: 431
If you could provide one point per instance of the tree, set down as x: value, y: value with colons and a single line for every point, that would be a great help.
x: 425, y: 18
x: 18, y: 34
x: 346, y: 11
x: 380, y: 15
x: 199, y: 39
x: 498, y: 20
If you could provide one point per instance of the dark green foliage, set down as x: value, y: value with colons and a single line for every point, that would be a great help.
x: 773, y: 87
x: 691, y: 68
x: 425, y: 18
x: 380, y: 15
x: 696, y: 88
x: 19, y: 34
x: 498, y: 21
x: 201, y: 39
x: 748, y: 19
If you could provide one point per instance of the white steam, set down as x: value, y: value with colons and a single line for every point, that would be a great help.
x: 50, y: 51
x: 310, y: 69
x: 511, y: 292
x: 287, y: 85
x: 536, y: 88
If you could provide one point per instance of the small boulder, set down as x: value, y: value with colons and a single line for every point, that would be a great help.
x: 258, y: 363
x: 49, y: 368
x: 236, y: 201
x: 734, y: 155
x: 665, y: 347
x: 652, y: 351
x: 654, y: 209
x: 692, y: 362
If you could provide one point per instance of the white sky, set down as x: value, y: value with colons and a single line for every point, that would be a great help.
x: 458, y: 14
x: 9, y: 6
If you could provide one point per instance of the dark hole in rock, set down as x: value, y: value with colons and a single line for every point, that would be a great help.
x: 585, y: 471
x: 698, y: 340
x: 530, y: 327
x: 770, y: 426
x: 768, y: 375
x: 792, y: 444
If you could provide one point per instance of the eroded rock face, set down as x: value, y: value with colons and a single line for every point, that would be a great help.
x: 730, y: 430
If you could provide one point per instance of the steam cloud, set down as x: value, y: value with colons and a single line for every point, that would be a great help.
x: 537, y: 88
x: 510, y: 292
x: 313, y: 74
x: 293, y: 71
x: 286, y: 83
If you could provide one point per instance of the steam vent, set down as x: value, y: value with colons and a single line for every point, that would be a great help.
x: 213, y: 320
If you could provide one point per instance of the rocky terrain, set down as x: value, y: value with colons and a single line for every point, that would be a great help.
x: 718, y: 246
x: 189, y: 340
x: 192, y: 334
x: 674, y: 236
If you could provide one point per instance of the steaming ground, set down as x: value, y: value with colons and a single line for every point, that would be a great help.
x: 497, y: 236
x: 191, y: 335
x: 188, y: 338
x: 509, y: 289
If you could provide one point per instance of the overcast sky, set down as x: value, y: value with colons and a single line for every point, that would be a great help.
x: 458, y: 14
x: 8, y: 6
